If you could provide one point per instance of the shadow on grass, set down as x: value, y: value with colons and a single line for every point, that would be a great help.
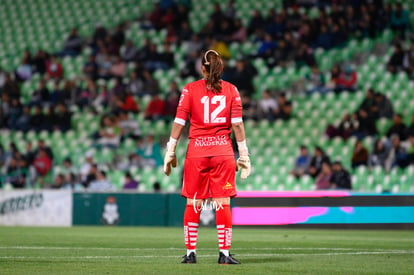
x: 258, y: 260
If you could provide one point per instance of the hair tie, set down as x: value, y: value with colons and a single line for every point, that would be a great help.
x: 205, y: 56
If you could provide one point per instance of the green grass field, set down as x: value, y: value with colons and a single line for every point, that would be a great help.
x: 145, y: 250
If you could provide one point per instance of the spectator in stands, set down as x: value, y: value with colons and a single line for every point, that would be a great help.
x: 333, y: 82
x: 129, y: 52
x: 305, y: 56
x: 126, y: 102
x: 285, y: 111
x: 49, y: 123
x: 400, y: 20
x: 101, y: 183
x: 240, y: 32
x: 410, y: 150
x: 322, y: 180
x: 267, y: 47
x: 242, y: 77
x: 157, y: 187
x: 118, y: 68
x: 16, y: 173
x: 15, y: 111
x: 29, y: 154
x: 149, y: 152
x: 129, y: 126
x: 68, y: 167
x: 398, y: 128
x: 346, y: 128
x: 150, y: 86
x: 41, y: 145
x: 410, y: 60
x: 23, y: 122
x: 396, y: 62
x: 347, y: 80
x: 249, y: 108
x: 59, y: 182
x: 302, y: 162
x: 24, y: 71
x: 135, y: 84
x: 2, y: 79
x: 56, y: 94
x: 41, y: 95
x: 155, y: 108
x: 37, y: 119
x: 90, y: 69
x: 384, y: 106
x: 317, y: 81
x: 118, y: 37
x: 63, y: 118
x: 367, y: 126
x: 398, y: 154
x: 54, y: 68
x: 39, y: 62
x: 130, y: 183
x: 318, y: 158
x: 369, y: 101
x: 256, y: 22
x: 359, y: 156
x: 340, y: 179
x: 11, y: 88
x: 379, y: 154
x: 73, y: 44
x: 410, y: 129
x: 3, y: 119
x: 268, y: 106
x: 42, y: 163
x: 105, y: 65
x: 325, y: 38
x: 171, y: 100
x: 109, y: 133
x: 87, y: 167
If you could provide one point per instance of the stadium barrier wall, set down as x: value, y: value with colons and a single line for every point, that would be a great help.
x: 320, y: 209
x: 36, y: 208
x: 147, y: 209
x: 324, y: 209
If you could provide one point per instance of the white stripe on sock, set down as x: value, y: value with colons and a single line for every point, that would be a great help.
x: 193, y: 244
x: 220, y: 231
x: 220, y: 226
x: 192, y: 229
x: 192, y: 224
x: 192, y: 233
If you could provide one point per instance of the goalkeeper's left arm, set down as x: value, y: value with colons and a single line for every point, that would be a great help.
x: 243, y: 161
x: 170, y: 158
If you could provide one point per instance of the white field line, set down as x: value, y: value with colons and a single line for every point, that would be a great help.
x: 181, y: 248
x: 202, y: 256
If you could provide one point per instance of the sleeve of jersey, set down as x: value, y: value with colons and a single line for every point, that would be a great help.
x: 236, y: 107
x: 183, y: 109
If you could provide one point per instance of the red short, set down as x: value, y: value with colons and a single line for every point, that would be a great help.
x: 209, y: 177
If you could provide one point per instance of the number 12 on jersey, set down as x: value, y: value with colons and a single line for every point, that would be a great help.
x: 213, y: 116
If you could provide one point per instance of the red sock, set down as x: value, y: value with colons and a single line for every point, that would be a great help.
x: 191, y: 220
x: 223, y: 222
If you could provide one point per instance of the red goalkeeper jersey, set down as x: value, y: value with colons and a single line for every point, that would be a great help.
x: 211, y: 115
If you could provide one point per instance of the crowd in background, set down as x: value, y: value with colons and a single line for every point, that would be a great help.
x: 282, y: 37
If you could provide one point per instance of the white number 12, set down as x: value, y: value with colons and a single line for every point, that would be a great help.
x: 221, y: 99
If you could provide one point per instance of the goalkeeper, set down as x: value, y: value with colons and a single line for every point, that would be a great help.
x: 214, y: 108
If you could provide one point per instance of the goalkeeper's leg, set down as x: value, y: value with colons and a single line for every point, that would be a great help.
x: 191, y: 221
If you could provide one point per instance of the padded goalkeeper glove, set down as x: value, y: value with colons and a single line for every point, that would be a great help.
x: 243, y: 162
x: 170, y: 158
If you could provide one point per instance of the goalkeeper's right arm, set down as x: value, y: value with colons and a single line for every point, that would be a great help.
x: 243, y: 161
x: 170, y: 159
